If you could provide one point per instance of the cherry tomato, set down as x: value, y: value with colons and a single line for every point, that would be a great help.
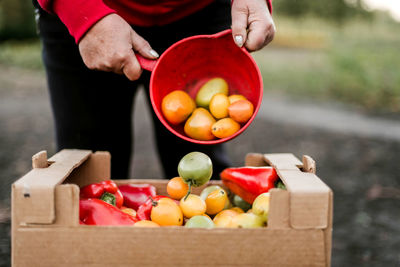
x: 234, y: 98
x: 216, y: 201
x: 241, y: 203
x: 195, y: 169
x: 199, y: 221
x: 261, y: 205
x: 224, y: 218
x: 146, y: 223
x: 237, y: 209
x: 177, y: 188
x: 193, y: 205
x: 219, y: 106
x: 166, y: 213
x: 247, y: 220
x: 206, y: 191
x: 241, y: 111
x: 129, y: 211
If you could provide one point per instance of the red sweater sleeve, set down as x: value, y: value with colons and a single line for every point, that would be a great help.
x: 80, y: 15
x: 77, y: 15
x: 269, y: 4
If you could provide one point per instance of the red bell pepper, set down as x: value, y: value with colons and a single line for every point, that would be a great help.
x: 136, y: 194
x: 249, y: 182
x: 97, y: 212
x: 107, y: 191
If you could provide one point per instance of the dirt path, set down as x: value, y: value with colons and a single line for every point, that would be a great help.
x: 357, y: 156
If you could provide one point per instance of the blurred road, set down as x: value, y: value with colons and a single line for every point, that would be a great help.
x: 357, y: 156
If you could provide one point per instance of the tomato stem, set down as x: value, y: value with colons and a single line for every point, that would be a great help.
x: 153, y: 202
x: 189, y: 190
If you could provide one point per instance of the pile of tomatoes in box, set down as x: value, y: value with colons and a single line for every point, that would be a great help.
x: 243, y: 202
x: 214, y: 113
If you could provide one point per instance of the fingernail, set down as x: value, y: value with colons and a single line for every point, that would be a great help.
x: 153, y: 53
x: 239, y: 40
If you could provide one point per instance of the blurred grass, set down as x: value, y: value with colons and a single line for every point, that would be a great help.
x: 357, y: 62
x: 23, y: 54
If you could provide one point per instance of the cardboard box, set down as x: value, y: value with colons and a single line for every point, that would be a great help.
x: 46, y: 229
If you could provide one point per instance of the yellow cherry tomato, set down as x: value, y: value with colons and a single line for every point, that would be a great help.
x: 219, y: 106
x: 192, y: 206
x: 216, y: 201
x: 167, y: 213
x: 146, y: 223
x: 177, y: 188
x: 234, y: 98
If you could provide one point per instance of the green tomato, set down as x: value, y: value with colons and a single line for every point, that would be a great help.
x: 209, y: 89
x: 199, y: 221
x: 195, y: 168
x: 206, y: 191
x: 241, y: 203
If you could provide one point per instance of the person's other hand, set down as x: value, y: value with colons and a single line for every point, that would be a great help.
x: 109, y: 45
x: 252, y: 24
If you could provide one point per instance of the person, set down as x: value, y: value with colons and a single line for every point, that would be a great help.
x: 88, y: 50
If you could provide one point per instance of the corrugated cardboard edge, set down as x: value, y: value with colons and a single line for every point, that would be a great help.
x: 285, y: 214
x: 309, y: 196
x: 95, y: 169
x: 34, y: 193
x: 80, y: 166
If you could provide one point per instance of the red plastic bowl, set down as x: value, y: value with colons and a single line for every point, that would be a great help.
x: 191, y: 62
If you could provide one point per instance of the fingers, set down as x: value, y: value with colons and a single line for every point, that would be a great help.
x: 142, y: 46
x: 252, y: 24
x: 260, y: 34
x: 240, y: 14
x: 109, y: 46
x: 131, y: 68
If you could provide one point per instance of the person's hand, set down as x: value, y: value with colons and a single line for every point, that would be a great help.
x: 252, y: 24
x: 110, y: 44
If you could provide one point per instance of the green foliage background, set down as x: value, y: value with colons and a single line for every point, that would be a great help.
x: 17, y: 19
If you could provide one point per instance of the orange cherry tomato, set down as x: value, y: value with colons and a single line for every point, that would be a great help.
x: 216, y: 201
x: 167, y: 213
x: 177, y: 188
x: 241, y: 111
x: 192, y: 206
x: 224, y: 218
x: 177, y: 106
x: 237, y: 209
x: 225, y: 127
x: 146, y: 223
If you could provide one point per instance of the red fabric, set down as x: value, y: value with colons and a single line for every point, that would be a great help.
x: 80, y: 15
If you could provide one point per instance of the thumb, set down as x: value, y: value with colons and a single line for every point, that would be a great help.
x: 239, y: 23
x: 142, y: 46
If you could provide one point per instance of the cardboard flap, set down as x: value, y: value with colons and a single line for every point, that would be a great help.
x: 309, y: 196
x: 309, y: 199
x: 283, y: 161
x: 34, y: 193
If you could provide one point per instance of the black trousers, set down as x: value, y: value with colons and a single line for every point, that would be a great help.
x: 93, y: 109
